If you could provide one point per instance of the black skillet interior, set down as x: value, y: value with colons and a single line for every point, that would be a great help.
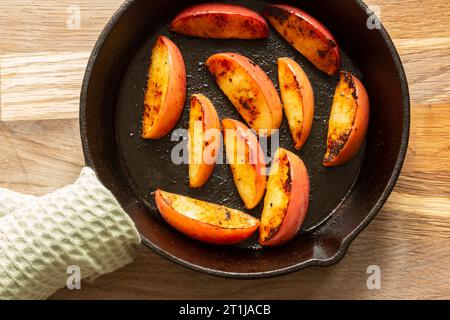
x: 343, y: 199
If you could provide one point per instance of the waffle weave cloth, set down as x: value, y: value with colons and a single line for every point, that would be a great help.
x: 44, y: 240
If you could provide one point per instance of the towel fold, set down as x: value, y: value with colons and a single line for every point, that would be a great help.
x: 44, y: 240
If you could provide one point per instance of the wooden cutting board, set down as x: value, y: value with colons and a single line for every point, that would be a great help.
x: 44, y: 48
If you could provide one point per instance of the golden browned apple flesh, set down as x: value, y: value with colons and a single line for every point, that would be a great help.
x: 298, y: 99
x: 246, y: 160
x: 286, y: 201
x: 204, y: 138
x: 165, y: 91
x: 348, y: 122
x: 204, y: 221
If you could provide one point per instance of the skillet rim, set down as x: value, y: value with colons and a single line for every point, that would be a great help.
x: 346, y: 241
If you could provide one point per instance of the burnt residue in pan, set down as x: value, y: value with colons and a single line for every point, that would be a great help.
x: 148, y: 162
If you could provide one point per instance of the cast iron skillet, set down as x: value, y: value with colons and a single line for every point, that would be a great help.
x: 343, y: 199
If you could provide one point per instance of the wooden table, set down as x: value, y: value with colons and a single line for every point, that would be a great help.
x: 42, y: 59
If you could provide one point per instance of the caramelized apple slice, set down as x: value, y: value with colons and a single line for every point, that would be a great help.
x: 220, y: 21
x: 204, y: 140
x: 165, y: 91
x: 246, y: 160
x: 348, y: 122
x: 298, y: 99
x: 249, y: 90
x: 286, y: 201
x: 311, y: 38
x: 205, y: 221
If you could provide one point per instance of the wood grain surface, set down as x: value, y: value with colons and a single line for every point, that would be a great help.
x: 42, y: 63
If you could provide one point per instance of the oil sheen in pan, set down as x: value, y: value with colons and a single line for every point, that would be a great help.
x: 148, y: 163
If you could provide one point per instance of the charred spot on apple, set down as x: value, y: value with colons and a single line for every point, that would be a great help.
x: 272, y: 230
x: 247, y: 104
x: 226, y: 65
x: 321, y: 53
x: 251, y: 27
x: 252, y: 63
x: 284, y: 161
x: 336, y: 143
x: 221, y: 20
x: 276, y: 12
x: 347, y: 77
x: 151, y: 113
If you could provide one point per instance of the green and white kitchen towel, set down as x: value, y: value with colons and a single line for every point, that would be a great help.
x: 80, y: 226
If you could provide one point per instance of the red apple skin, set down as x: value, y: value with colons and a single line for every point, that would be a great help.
x: 202, y: 230
x: 360, y: 125
x: 328, y: 59
x: 220, y: 21
x: 298, y: 204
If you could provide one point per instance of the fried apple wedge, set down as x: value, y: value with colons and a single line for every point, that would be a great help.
x: 307, y: 35
x: 246, y: 160
x: 298, y: 99
x: 165, y: 91
x: 205, y: 221
x: 286, y: 201
x: 204, y: 138
x: 249, y: 89
x: 220, y: 21
x: 348, y: 122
